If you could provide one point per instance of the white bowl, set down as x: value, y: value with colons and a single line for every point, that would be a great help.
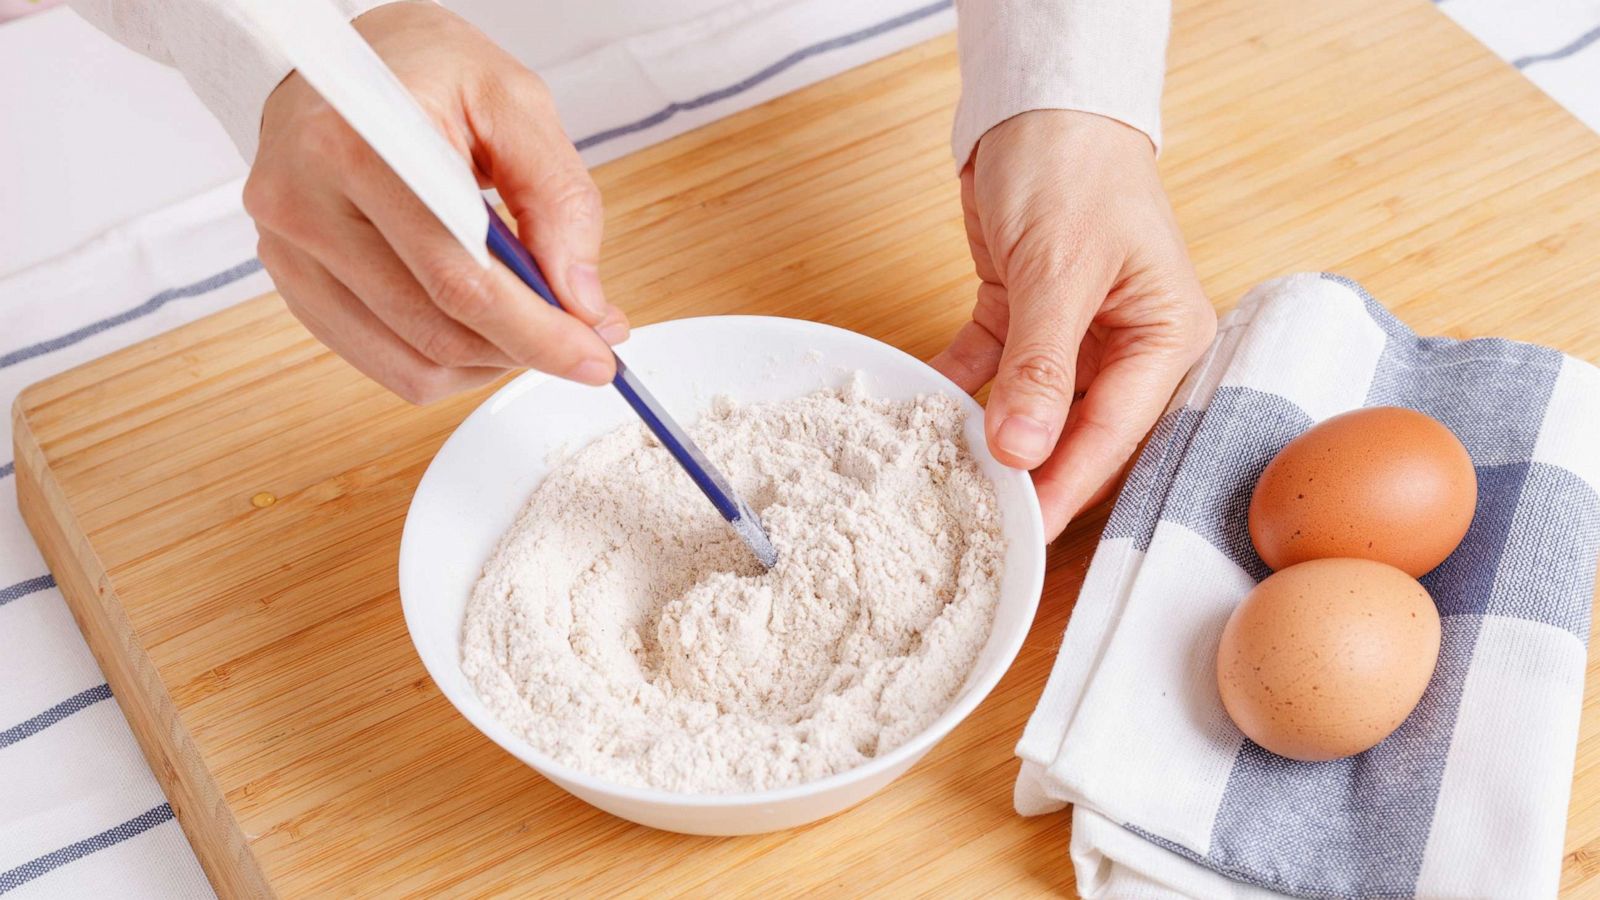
x: 485, y: 472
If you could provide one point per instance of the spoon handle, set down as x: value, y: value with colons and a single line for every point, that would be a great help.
x: 505, y: 247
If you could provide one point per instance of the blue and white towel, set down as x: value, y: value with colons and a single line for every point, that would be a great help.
x: 1469, y: 797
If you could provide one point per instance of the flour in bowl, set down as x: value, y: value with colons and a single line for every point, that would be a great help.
x: 623, y: 629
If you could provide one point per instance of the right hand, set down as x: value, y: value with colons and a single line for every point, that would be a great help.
x: 371, y: 273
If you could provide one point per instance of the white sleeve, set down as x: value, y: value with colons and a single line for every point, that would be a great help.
x: 1101, y: 56
x: 229, y: 67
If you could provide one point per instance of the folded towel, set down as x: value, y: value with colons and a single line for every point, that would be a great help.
x: 1469, y: 797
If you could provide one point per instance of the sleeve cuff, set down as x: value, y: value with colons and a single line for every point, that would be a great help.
x: 1106, y: 57
x: 231, y: 69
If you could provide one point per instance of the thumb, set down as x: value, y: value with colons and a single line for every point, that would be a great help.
x: 1051, y: 304
x: 523, y: 150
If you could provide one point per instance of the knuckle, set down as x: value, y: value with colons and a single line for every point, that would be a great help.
x: 973, y: 354
x: 498, y: 97
x: 263, y: 199
x: 530, y: 87
x: 1040, y: 372
x: 295, y: 304
x: 423, y: 384
x: 270, y: 254
x: 991, y: 310
x: 445, y: 347
x: 461, y: 291
x: 578, y: 200
x: 291, y: 302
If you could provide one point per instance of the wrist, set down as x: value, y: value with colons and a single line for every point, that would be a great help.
x: 371, y: 18
x: 1037, y: 128
x: 390, y: 16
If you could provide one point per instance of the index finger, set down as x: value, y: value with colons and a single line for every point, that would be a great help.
x: 1103, y: 430
x: 491, y: 301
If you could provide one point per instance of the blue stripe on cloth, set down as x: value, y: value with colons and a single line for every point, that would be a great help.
x: 205, y: 285
x: 777, y: 68
x: 1582, y: 41
x: 1148, y: 488
x: 1490, y: 391
x: 76, y: 703
x: 24, y: 588
x: 1240, y: 431
x: 34, y: 868
x: 1556, y: 530
x: 1464, y: 583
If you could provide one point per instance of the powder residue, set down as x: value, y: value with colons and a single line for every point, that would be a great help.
x: 623, y: 629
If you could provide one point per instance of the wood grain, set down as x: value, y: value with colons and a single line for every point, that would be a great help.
x: 222, y: 504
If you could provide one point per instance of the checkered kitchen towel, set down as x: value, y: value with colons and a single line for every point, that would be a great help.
x: 1469, y: 797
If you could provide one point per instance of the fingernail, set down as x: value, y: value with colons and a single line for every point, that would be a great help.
x: 613, y: 332
x: 591, y: 371
x: 1023, y: 438
x: 583, y: 280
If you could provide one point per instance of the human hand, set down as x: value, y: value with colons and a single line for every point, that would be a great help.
x: 1088, y: 312
x: 369, y: 270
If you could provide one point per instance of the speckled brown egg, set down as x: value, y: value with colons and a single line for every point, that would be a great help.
x: 1326, y: 658
x: 1382, y: 483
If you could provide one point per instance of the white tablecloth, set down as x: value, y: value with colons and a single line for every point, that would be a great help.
x: 119, y: 219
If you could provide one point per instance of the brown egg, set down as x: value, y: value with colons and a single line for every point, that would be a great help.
x: 1326, y: 658
x: 1382, y: 483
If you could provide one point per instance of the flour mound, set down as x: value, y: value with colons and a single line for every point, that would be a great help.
x: 622, y: 628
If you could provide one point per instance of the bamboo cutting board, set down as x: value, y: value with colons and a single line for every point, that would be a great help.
x: 222, y: 504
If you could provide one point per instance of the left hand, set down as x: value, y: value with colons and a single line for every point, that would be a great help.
x: 1089, y: 312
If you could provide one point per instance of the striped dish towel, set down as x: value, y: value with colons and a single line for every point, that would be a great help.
x: 1469, y: 797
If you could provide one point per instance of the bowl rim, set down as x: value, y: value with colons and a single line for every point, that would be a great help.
x: 902, y: 755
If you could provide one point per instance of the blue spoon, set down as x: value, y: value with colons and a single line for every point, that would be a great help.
x: 505, y: 247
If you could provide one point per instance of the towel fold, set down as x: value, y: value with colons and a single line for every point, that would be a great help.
x: 1469, y: 797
